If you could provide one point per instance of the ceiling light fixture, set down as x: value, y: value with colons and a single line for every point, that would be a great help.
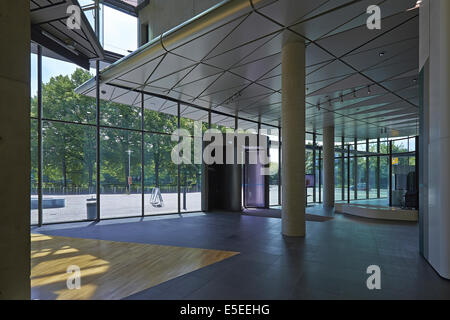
x: 382, y: 53
x: 368, y: 90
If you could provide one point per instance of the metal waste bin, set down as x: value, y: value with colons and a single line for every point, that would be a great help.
x: 91, y: 208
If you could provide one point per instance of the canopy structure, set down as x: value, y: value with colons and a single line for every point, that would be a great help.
x: 228, y: 59
x: 49, y: 29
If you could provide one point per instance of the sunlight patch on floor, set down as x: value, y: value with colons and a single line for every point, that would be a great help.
x: 109, y: 269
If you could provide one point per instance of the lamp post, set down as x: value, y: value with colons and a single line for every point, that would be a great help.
x: 129, y: 170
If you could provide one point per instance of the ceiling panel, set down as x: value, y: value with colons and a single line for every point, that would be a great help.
x: 364, y: 82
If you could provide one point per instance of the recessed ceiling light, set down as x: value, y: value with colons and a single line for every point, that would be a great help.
x: 382, y: 53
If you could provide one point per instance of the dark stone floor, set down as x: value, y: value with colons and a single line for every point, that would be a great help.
x: 330, y: 263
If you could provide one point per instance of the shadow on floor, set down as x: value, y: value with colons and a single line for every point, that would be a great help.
x: 276, y: 213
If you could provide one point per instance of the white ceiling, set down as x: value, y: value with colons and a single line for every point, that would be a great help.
x: 229, y: 59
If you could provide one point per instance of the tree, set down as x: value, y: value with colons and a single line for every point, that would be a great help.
x: 68, y: 149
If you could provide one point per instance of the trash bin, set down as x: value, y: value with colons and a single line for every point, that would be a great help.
x: 91, y: 208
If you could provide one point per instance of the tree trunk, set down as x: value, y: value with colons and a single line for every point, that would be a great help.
x: 157, y: 172
x: 64, y: 171
x: 157, y: 156
x: 90, y: 175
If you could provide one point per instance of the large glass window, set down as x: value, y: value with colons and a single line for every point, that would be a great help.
x: 373, y: 177
x: 247, y: 125
x: 338, y: 172
x: 34, y: 171
x: 189, y: 115
x: 34, y: 139
x: 384, y: 177
x: 68, y: 142
x: 191, y: 174
x: 119, y: 115
x: 346, y: 178
x: 309, y: 169
x: 353, y: 177
x: 400, y: 146
x: 361, y: 186
x: 319, y: 172
x: 59, y: 100
x: 69, y: 171
x: 161, y: 175
x: 338, y: 177
x: 222, y: 122
x: 120, y: 173
x: 89, y: 11
x: 161, y: 122
x: 120, y: 31
x: 33, y: 85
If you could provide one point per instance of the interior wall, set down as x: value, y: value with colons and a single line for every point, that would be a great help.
x: 156, y: 14
x: 15, y: 150
x: 435, y: 134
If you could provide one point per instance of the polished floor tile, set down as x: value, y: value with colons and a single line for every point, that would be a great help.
x: 329, y: 263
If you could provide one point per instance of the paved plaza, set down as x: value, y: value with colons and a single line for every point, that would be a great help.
x: 129, y: 205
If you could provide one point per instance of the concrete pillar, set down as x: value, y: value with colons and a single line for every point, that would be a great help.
x: 15, y: 150
x: 293, y: 138
x: 328, y: 167
x: 434, y: 173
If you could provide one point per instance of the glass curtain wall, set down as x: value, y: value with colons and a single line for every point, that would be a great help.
x: 403, y: 170
x: 161, y: 174
x: 34, y: 139
x: 137, y: 175
x: 195, y: 121
x: 365, y: 169
x: 68, y: 143
x: 338, y: 172
x: 309, y: 165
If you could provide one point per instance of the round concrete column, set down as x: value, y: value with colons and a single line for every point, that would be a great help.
x: 293, y: 138
x: 328, y: 167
